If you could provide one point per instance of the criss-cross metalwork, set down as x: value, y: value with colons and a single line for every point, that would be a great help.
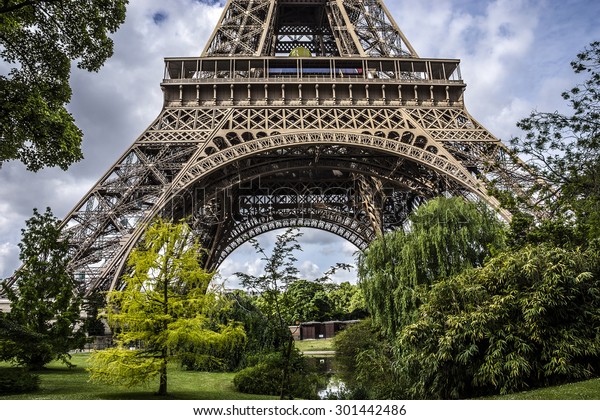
x: 255, y: 136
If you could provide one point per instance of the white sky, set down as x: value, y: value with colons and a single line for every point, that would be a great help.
x: 515, y: 57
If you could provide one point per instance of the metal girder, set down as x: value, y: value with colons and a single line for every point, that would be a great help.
x: 324, y: 27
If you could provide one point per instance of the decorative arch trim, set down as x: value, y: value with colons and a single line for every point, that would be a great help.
x: 439, y: 163
x: 251, y: 232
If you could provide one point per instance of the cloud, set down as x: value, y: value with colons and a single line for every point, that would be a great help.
x: 238, y: 263
x: 308, y: 270
x: 508, y: 50
x: 7, y: 217
x: 9, y: 257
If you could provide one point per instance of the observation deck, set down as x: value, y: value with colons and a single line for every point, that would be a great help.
x: 327, y: 81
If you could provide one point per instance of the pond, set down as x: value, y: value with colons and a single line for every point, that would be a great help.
x: 326, y: 366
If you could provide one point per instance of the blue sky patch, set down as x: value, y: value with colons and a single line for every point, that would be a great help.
x: 159, y: 17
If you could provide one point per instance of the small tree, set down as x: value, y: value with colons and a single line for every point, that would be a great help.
x: 164, y: 311
x: 44, y: 303
x: 279, y: 273
x: 282, y: 293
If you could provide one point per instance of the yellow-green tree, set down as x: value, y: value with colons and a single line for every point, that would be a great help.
x: 165, y: 311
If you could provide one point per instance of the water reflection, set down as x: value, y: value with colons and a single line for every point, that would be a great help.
x: 335, y: 388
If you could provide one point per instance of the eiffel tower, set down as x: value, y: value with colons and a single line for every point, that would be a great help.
x: 304, y: 113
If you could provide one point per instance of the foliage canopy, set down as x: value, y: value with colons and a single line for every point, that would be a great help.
x: 444, y: 237
x: 40, y: 39
x: 565, y: 151
x: 526, y: 319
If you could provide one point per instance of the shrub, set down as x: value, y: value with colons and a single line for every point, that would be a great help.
x: 17, y: 381
x: 356, y: 349
x: 527, y: 319
x: 266, y: 377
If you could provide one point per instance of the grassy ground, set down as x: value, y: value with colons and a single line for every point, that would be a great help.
x: 61, y: 383
x: 585, y: 390
x: 315, y: 345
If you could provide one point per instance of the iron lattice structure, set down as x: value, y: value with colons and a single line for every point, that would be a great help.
x: 348, y: 139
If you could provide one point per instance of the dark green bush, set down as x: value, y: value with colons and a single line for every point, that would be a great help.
x: 17, y: 381
x: 527, y: 319
x: 266, y: 377
x: 352, y: 347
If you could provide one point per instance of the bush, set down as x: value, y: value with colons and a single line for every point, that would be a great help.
x: 266, y: 377
x: 356, y: 349
x: 527, y: 319
x: 17, y: 381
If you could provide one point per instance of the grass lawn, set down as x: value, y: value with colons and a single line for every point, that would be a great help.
x: 325, y: 344
x: 61, y: 383
x: 585, y: 390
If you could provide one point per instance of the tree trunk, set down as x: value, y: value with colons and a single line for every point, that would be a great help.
x: 285, y: 392
x: 162, y: 388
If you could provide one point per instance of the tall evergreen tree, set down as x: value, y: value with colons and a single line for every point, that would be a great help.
x: 44, y: 303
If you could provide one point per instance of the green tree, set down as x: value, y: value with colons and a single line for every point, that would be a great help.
x: 164, y: 311
x: 40, y: 39
x: 444, y: 237
x: 306, y: 301
x: 348, y: 301
x: 44, y: 303
x: 279, y: 272
x: 565, y: 150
